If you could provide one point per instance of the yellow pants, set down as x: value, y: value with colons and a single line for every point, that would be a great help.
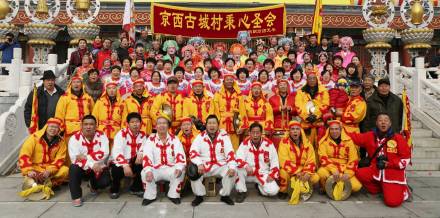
x: 59, y: 177
x: 324, y: 173
x: 285, y: 178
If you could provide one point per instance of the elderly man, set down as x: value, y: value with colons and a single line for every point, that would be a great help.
x: 312, y: 101
x: 127, y: 156
x: 297, y: 158
x: 88, y: 151
x: 38, y: 164
x: 257, y: 161
x: 226, y: 104
x: 198, y: 104
x: 338, y: 156
x: 73, y: 106
x: 257, y: 109
x: 389, y: 156
x: 356, y: 108
x: 164, y: 160
x: 212, y: 154
x: 47, y: 97
x: 140, y: 102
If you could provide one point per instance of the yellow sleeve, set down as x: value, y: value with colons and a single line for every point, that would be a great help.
x: 324, y: 104
x: 243, y: 115
x: 179, y: 109
x: 154, y: 110
x: 356, y: 116
x: 324, y: 159
x: 124, y: 114
x: 269, y: 117
x: 353, y: 159
x: 300, y: 105
x: 216, y: 105
x: 59, y: 159
x: 211, y: 109
x: 283, y: 157
x: 60, y: 111
x: 310, y: 164
x: 96, y: 110
x: 26, y: 154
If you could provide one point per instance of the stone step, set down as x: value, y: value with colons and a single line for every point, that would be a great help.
x: 421, y: 133
x: 426, y: 142
x: 426, y: 152
x: 421, y: 164
x: 416, y: 124
x: 418, y: 174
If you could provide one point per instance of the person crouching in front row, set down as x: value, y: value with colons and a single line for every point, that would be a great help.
x: 88, y: 150
x: 212, y: 154
x: 257, y: 161
x: 127, y: 156
x: 164, y: 160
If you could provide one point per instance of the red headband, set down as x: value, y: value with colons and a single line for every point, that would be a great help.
x: 256, y: 84
x: 185, y: 119
x: 54, y: 121
x: 196, y: 82
x: 76, y: 78
x: 294, y: 123
x: 229, y: 75
x: 139, y: 81
x: 331, y: 122
x: 111, y: 84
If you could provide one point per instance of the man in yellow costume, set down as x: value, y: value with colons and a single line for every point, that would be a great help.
x: 198, y: 104
x: 297, y: 158
x: 43, y: 153
x: 73, y: 106
x: 140, y: 102
x: 107, y: 111
x: 312, y: 101
x: 170, y: 98
x: 338, y: 156
x: 226, y: 104
x: 356, y: 108
x: 256, y: 108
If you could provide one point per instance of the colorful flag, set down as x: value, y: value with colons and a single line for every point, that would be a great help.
x: 33, y: 127
x: 128, y: 23
x: 406, y: 118
x: 317, y: 20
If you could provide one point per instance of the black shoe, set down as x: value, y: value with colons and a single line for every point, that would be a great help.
x: 146, y: 202
x: 198, y: 200
x: 114, y: 195
x: 258, y: 190
x: 282, y: 195
x: 227, y: 200
x: 240, y: 197
x: 175, y: 200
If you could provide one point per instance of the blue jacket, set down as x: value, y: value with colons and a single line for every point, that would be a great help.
x: 8, y: 51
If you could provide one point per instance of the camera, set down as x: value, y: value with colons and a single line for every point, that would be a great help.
x: 380, y: 162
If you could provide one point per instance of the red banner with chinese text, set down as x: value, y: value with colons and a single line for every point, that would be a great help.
x: 218, y: 23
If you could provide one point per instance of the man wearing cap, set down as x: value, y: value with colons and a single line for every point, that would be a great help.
x: 256, y: 108
x: 338, y: 156
x: 73, y: 106
x: 127, y: 156
x: 88, y: 151
x: 140, y: 102
x: 170, y: 98
x: 226, y: 103
x: 257, y: 161
x: 45, y: 103
x: 198, y: 104
x: 297, y: 158
x: 283, y: 106
x: 383, y: 100
x: 38, y: 164
x: 356, y: 108
x: 311, y: 102
x: 212, y: 154
x: 163, y: 160
x: 389, y: 155
x: 171, y: 47
x: 107, y: 111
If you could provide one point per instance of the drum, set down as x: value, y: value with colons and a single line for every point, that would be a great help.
x: 277, y: 136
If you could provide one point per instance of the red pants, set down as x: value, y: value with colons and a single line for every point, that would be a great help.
x: 393, y: 194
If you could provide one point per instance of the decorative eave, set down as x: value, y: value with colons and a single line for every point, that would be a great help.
x: 114, y: 17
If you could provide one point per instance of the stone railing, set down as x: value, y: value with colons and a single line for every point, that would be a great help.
x: 423, y: 91
x: 19, y: 83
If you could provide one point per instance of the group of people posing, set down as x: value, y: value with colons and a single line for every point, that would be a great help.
x: 299, y: 133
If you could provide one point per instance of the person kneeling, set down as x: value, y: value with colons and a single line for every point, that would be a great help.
x: 257, y: 161
x: 338, y: 157
x: 164, y: 160
x: 127, y: 156
x: 88, y: 150
x: 39, y: 166
x: 389, y: 156
x: 297, y: 162
x: 212, y: 155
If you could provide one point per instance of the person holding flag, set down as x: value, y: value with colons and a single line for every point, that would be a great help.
x: 41, y: 102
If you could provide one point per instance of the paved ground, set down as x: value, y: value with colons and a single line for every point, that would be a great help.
x: 426, y: 204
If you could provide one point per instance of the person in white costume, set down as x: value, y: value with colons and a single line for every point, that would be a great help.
x: 212, y: 154
x: 164, y: 160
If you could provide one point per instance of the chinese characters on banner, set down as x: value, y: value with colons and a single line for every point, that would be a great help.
x: 218, y: 23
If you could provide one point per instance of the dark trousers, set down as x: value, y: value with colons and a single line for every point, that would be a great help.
x: 77, y: 174
x: 118, y: 175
